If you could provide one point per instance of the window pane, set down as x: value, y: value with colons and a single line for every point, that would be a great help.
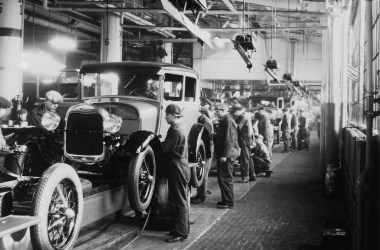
x: 190, y: 89
x: 173, y: 87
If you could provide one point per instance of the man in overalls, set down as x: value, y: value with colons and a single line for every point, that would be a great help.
x: 175, y: 152
x: 226, y: 150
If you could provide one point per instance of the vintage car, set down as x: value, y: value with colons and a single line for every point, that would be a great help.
x: 108, y: 155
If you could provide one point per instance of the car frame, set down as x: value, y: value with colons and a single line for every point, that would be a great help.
x: 111, y: 156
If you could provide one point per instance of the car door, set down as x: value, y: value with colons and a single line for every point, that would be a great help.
x: 183, y: 90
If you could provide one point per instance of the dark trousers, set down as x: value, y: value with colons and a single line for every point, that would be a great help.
x: 246, y: 163
x: 226, y: 181
x: 294, y: 135
x: 260, y: 164
x: 286, y: 138
x: 179, y: 177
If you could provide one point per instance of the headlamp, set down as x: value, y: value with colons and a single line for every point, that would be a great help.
x: 50, y: 120
x: 112, y: 123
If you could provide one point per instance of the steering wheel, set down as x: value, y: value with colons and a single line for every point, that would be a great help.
x: 143, y: 92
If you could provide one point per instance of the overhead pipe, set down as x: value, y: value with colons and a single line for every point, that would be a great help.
x: 223, y: 29
x: 115, y: 10
x: 58, y: 27
x: 292, y: 5
x: 62, y: 18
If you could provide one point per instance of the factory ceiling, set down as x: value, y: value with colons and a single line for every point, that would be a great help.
x: 150, y: 20
x: 174, y: 21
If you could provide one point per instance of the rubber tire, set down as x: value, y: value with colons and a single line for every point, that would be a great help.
x: 194, y: 181
x: 133, y: 180
x: 41, y: 202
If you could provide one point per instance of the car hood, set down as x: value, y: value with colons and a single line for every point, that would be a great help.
x: 130, y: 109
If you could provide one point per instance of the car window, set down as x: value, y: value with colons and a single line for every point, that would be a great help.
x: 173, y: 87
x: 126, y: 84
x: 190, y: 89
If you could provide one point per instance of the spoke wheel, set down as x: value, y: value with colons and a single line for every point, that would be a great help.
x: 141, y: 179
x: 197, y: 172
x: 59, y: 202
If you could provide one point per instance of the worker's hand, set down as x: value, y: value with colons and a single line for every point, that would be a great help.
x: 2, y: 142
x: 223, y: 159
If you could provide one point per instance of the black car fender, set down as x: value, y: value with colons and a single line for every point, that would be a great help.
x: 198, y: 131
x: 138, y: 141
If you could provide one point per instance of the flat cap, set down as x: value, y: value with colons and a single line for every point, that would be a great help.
x: 237, y: 106
x: 174, y: 109
x: 285, y: 110
x: 4, y: 103
x: 54, y: 96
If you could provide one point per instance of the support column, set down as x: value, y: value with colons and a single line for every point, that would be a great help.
x: 292, y: 58
x: 10, y: 48
x: 332, y: 108
x: 112, y: 39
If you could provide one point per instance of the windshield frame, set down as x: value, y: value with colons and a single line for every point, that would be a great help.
x: 126, y: 79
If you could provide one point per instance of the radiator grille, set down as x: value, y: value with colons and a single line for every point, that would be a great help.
x: 84, y: 135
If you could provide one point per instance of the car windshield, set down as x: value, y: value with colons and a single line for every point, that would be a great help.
x: 125, y: 84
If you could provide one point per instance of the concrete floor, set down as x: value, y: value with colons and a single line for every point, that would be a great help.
x: 286, y: 211
x: 117, y: 233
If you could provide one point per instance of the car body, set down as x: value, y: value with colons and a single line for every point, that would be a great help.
x: 109, y: 155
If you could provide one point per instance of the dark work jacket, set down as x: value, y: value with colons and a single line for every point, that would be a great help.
x: 226, y: 141
x: 302, y: 121
x: 294, y: 122
x: 265, y: 127
x: 261, y: 151
x: 286, y: 122
x: 203, y: 119
x: 34, y: 117
x: 245, y: 131
x: 175, y: 145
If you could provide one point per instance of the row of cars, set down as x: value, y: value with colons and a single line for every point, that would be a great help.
x: 107, y: 156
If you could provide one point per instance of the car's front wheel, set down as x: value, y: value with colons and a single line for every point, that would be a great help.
x: 198, y: 171
x: 141, y: 179
x: 58, y: 201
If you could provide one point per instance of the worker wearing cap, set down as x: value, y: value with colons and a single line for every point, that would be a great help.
x: 52, y: 100
x: 4, y: 106
x: 175, y: 152
x: 202, y: 189
x: 245, y: 139
x: 285, y: 128
x: 266, y: 129
x: 260, y: 155
x: 226, y: 150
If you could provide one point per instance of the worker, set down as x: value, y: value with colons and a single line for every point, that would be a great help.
x: 52, y: 100
x: 175, y: 152
x: 226, y: 150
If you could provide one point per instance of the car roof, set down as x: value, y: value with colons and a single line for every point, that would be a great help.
x: 133, y: 66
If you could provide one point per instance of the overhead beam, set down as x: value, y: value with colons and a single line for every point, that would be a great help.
x: 229, y: 5
x: 211, y: 12
x: 180, y: 17
x: 224, y: 29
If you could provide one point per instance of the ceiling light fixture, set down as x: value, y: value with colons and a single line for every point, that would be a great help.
x: 63, y: 43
